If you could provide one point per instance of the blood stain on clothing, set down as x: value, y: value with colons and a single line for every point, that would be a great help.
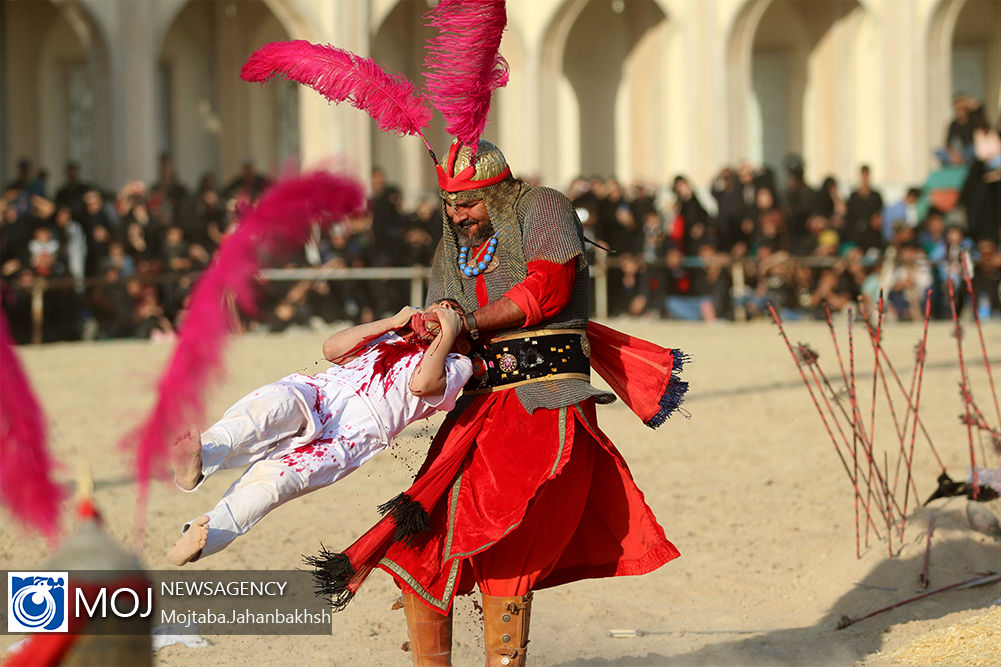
x: 388, y: 355
x: 319, y: 402
x: 308, y: 455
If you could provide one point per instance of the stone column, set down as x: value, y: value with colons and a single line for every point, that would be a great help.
x: 344, y: 133
x: 906, y: 148
x: 133, y: 93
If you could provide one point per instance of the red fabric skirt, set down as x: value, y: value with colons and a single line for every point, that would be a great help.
x: 529, y: 500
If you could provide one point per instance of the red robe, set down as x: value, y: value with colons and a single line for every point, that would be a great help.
x: 502, y: 514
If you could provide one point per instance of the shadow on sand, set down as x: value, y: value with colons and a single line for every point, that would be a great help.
x: 890, y: 582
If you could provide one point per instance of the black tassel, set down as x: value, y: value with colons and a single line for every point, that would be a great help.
x: 675, y: 392
x: 331, y: 574
x: 408, y: 516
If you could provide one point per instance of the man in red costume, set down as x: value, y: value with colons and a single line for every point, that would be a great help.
x: 520, y: 490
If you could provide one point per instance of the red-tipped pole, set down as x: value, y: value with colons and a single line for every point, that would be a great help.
x: 816, y: 403
x: 964, y: 388
x: 980, y: 333
x: 855, y: 434
x: 900, y: 430
x: 907, y: 393
x: 821, y: 381
x: 872, y: 419
x: 922, y: 355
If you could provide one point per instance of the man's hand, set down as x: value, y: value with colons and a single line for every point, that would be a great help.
x: 402, y: 318
x: 451, y: 322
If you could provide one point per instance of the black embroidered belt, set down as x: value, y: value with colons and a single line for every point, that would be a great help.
x: 533, y: 356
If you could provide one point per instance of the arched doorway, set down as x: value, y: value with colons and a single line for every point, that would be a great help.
x: 208, y: 119
x: 964, y: 57
x: 399, y: 44
x: 976, y: 55
x: 612, y: 60
x: 54, y: 90
x: 787, y: 94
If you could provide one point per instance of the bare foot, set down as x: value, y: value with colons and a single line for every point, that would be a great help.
x: 186, y: 459
x: 190, y: 545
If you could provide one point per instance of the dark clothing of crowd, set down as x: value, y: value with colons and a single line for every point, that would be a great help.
x: 123, y: 264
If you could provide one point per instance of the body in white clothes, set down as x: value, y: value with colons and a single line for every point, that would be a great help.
x: 304, y: 432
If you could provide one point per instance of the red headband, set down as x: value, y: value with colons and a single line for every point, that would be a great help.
x: 464, y: 179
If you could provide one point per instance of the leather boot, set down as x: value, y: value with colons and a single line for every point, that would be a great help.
x: 430, y: 633
x: 505, y: 629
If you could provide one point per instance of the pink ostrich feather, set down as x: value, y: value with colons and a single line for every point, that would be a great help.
x: 463, y: 65
x: 26, y: 484
x: 279, y: 223
x: 389, y: 97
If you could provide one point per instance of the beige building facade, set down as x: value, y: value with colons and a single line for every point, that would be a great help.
x: 636, y: 89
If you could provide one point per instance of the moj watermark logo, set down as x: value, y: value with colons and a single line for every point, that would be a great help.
x: 36, y: 601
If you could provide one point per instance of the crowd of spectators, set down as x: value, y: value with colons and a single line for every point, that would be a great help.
x: 750, y: 243
x: 122, y: 264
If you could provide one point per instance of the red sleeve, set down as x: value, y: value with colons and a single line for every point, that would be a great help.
x: 545, y: 290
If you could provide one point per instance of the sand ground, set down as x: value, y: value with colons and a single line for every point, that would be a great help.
x: 749, y: 488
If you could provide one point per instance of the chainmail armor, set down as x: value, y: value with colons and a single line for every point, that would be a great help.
x: 537, y: 223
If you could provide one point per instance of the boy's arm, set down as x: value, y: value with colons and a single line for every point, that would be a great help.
x: 429, y: 379
x: 343, y: 346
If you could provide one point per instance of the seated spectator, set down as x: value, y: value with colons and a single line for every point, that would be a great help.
x: 118, y: 259
x: 910, y: 283
x: 98, y: 213
x: 113, y: 306
x: 986, y: 280
x: 828, y: 243
x: 770, y: 223
x: 174, y: 251
x: 43, y: 252
x: 703, y: 298
x: 697, y: 225
x: 72, y: 243
x: 142, y: 253
x: 870, y: 241
x: 148, y: 315
x: 774, y: 283
x: 291, y: 308
x: 829, y: 202
x: 132, y: 204
x: 903, y: 211
x: 827, y: 294
x: 808, y: 243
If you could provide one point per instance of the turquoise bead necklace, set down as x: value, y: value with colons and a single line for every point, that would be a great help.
x: 475, y: 268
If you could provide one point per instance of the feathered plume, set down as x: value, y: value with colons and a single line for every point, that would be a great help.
x: 26, y: 485
x: 280, y: 223
x: 462, y: 64
x: 389, y: 97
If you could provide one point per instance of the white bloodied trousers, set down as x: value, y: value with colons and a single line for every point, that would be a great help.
x: 302, y: 433
x: 288, y: 447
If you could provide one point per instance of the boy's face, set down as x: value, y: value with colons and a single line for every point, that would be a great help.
x: 425, y: 325
x: 446, y: 304
x: 428, y: 326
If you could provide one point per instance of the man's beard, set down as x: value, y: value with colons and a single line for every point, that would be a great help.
x: 483, y: 232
